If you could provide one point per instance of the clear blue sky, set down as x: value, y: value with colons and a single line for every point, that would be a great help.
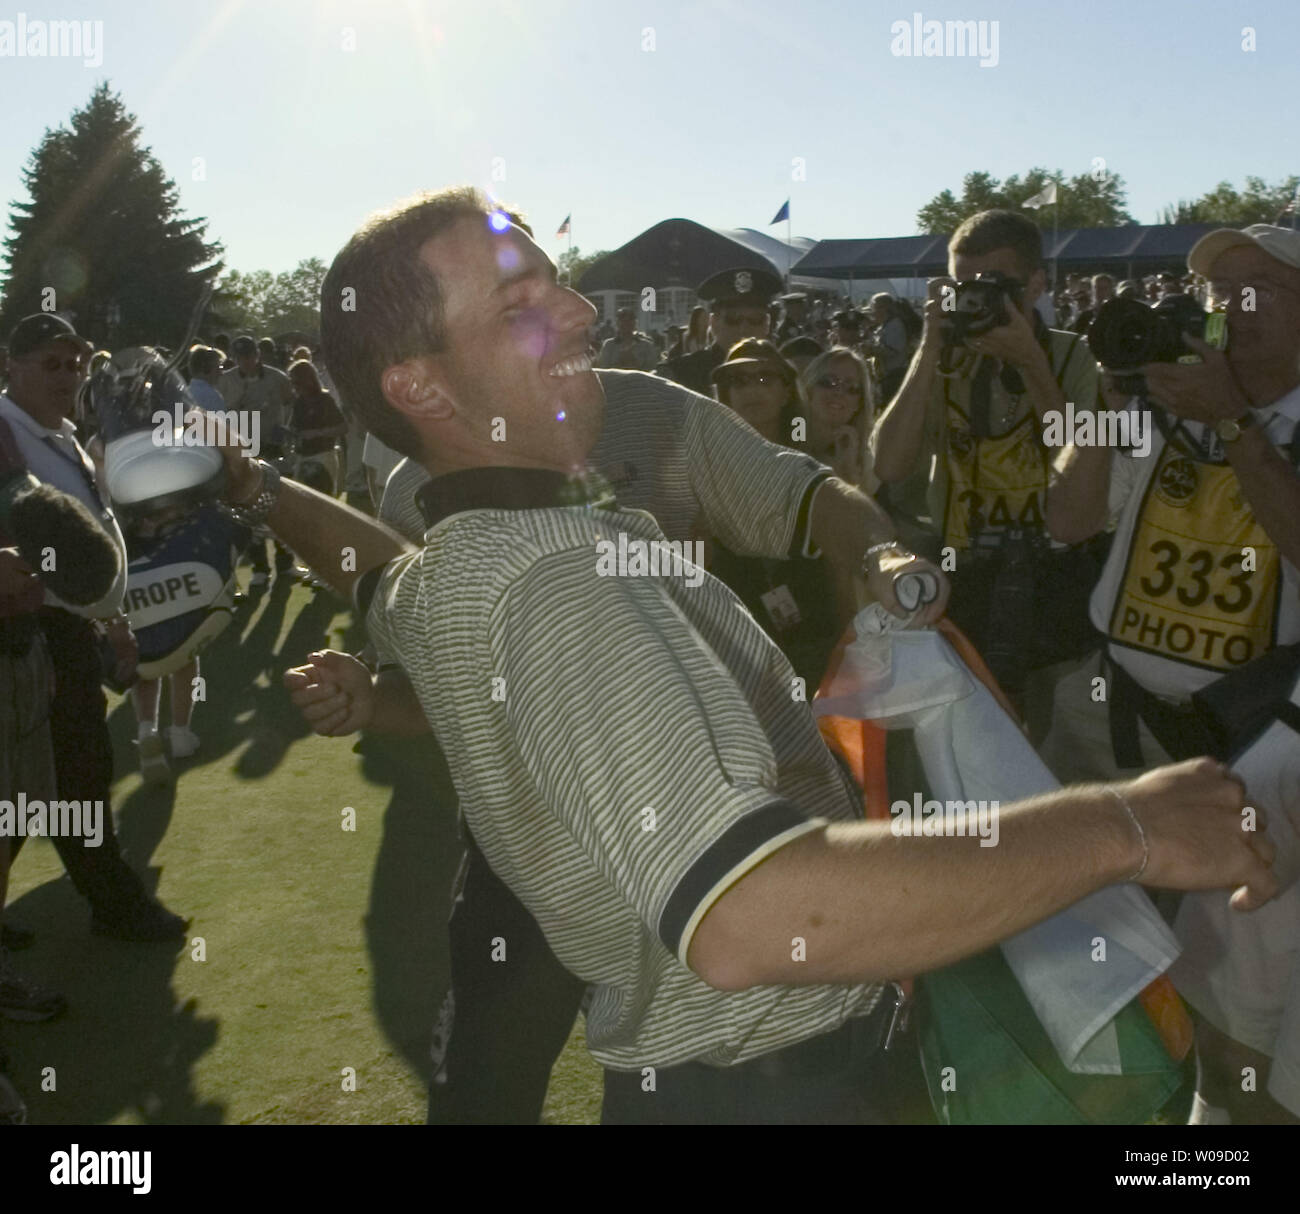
x: 302, y: 138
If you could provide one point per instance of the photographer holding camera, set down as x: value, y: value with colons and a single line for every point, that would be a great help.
x: 1200, y: 602
x: 972, y: 408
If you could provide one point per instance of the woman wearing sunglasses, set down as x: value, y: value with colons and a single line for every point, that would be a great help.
x: 835, y: 387
x: 796, y: 601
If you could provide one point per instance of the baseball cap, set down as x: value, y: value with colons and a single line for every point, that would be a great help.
x: 32, y: 332
x: 243, y: 344
x: 801, y: 347
x: 749, y: 352
x: 1282, y: 244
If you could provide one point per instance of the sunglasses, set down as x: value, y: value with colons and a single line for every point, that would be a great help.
x: 52, y: 364
x: 833, y: 383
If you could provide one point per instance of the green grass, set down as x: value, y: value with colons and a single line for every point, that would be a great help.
x: 325, y: 948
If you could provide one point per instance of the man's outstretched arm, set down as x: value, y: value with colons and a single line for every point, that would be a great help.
x: 335, y: 542
x: 872, y: 905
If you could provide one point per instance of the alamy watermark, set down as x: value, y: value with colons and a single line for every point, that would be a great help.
x: 963, y: 819
x: 1129, y: 428
x: 651, y: 558
x: 24, y: 39
x: 218, y: 428
x: 34, y: 819
x: 946, y: 39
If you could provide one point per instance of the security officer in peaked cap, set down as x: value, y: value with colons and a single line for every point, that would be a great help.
x: 739, y: 307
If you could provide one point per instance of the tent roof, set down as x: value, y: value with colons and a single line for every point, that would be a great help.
x: 674, y: 253
x: 1146, y: 246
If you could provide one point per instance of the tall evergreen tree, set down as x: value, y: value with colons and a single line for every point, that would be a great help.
x: 100, y: 238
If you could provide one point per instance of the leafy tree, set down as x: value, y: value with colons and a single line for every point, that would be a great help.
x: 573, y: 263
x: 1259, y: 202
x: 1089, y: 200
x: 266, y: 304
x: 101, y: 238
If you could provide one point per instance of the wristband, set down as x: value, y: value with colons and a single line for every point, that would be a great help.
x: 875, y: 550
x: 253, y: 514
x: 1142, y: 834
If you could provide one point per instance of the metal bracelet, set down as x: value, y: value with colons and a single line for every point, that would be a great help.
x: 876, y: 549
x: 1142, y: 834
x: 254, y: 513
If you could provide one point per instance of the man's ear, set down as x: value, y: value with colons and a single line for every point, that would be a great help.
x: 415, y: 389
x: 1035, y: 285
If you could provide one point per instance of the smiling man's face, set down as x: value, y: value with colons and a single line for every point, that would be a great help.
x: 516, y: 349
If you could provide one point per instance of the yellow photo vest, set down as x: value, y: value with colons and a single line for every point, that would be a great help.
x: 1209, y: 602
x: 993, y: 483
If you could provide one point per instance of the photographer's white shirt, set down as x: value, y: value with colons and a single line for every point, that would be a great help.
x: 1177, y: 581
x: 55, y: 457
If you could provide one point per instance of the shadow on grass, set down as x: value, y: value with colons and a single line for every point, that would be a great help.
x: 410, y: 895
x: 123, y: 1047
x: 236, y: 707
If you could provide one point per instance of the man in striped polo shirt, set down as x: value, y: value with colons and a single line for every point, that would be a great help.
x: 626, y: 749
x: 687, y: 460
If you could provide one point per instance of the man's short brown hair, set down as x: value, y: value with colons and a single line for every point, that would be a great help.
x: 393, y: 309
x: 989, y: 231
x: 204, y: 361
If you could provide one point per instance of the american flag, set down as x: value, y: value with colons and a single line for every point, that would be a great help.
x: 564, y: 227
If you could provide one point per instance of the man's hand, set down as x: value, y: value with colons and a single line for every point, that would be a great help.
x: 20, y: 589
x: 333, y: 691
x: 1013, y: 343
x: 1201, y: 392
x: 846, y: 454
x: 932, y: 314
x: 243, y: 475
x: 125, y: 649
x: 881, y: 572
x: 1192, y: 815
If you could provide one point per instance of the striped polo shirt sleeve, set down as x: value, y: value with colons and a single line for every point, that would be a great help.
x: 754, y: 494
x: 638, y: 738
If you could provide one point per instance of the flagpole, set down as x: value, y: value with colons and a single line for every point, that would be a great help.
x: 1056, y: 215
x: 789, y: 247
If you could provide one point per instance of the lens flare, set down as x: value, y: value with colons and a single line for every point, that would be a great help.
x: 498, y: 221
x: 561, y: 415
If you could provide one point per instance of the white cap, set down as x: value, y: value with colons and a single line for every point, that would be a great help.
x: 1282, y: 244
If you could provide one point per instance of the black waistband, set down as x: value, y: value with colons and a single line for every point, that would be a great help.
x: 1179, y: 728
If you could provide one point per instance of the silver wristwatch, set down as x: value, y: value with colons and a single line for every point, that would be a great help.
x: 253, y: 514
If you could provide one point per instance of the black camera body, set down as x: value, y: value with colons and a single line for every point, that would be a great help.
x: 1127, y: 334
x: 979, y: 305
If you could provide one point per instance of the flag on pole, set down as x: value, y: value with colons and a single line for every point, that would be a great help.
x: 1044, y: 198
x: 564, y: 227
x: 783, y: 213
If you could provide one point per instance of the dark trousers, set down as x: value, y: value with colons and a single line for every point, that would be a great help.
x: 504, y: 1022
x: 839, y: 1078
x: 83, y: 763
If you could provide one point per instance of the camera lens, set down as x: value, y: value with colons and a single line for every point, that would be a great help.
x: 1123, y: 335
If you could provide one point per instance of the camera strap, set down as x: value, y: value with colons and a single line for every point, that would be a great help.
x: 981, y: 389
x: 1177, y: 435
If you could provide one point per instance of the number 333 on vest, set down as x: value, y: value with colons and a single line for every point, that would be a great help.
x: 1189, y: 592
